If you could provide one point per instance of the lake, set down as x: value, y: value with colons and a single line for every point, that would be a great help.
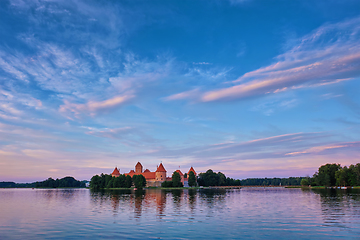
x: 248, y: 213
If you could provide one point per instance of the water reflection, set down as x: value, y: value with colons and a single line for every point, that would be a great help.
x: 253, y: 213
x: 338, y: 206
x: 138, y: 201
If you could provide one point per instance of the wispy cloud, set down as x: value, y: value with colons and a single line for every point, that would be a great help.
x: 320, y: 149
x: 315, y: 61
x: 94, y: 107
x: 129, y: 136
x: 271, y: 106
x: 192, y: 94
x: 262, y: 148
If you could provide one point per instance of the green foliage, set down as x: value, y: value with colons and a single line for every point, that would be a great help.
x: 110, y: 184
x: 119, y: 182
x: 128, y: 181
x: 185, y: 175
x: 192, y: 179
x: 326, y: 175
x: 63, y: 182
x: 166, y: 184
x: 354, y: 175
x: 139, y: 181
x: 335, y: 175
x: 291, y: 181
x: 211, y: 178
x: 304, y: 182
x: 176, y: 180
x: 95, y: 182
x: 348, y: 176
x: 222, y: 179
x: 7, y: 185
x: 17, y: 185
x: 107, y: 181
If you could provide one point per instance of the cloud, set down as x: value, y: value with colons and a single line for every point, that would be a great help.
x: 94, y: 107
x: 15, y: 105
x: 320, y: 149
x: 201, y: 63
x: 316, y: 60
x: 263, y: 148
x: 269, y: 107
x: 192, y: 94
x: 129, y: 136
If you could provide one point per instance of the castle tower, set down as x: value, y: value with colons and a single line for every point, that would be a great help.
x: 138, y: 168
x: 116, y: 172
x: 192, y: 170
x: 160, y: 174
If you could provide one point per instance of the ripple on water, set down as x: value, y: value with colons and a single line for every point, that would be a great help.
x: 182, y: 214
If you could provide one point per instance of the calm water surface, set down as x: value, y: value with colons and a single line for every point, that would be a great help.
x: 271, y: 213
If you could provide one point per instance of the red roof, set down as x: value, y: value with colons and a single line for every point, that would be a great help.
x: 138, y: 164
x: 146, y: 170
x: 131, y: 171
x: 160, y: 168
x: 149, y: 175
x: 115, y: 172
x: 192, y: 170
x: 181, y: 174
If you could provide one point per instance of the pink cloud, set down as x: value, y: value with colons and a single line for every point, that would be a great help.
x: 93, y: 107
x: 319, y: 149
x: 311, y: 63
x: 183, y: 95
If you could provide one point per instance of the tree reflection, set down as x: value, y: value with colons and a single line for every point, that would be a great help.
x: 176, y: 195
x: 213, y: 196
x: 337, y: 205
x: 139, y: 197
x: 140, y: 202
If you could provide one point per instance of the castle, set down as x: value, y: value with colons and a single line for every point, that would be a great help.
x: 154, y: 179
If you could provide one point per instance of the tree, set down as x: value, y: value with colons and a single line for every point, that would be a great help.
x: 208, y: 179
x: 354, y: 175
x: 139, y: 181
x: 326, y: 174
x: 95, y: 182
x: 110, y: 184
x: 304, y: 182
x: 166, y: 184
x: 128, y: 181
x: 222, y: 179
x: 191, y: 179
x: 176, y: 180
x: 342, y: 177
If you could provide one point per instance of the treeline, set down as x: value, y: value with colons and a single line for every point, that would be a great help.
x: 291, y: 181
x: 210, y: 178
x: 107, y: 181
x: 16, y: 185
x: 48, y: 183
x: 60, y: 183
x: 334, y: 175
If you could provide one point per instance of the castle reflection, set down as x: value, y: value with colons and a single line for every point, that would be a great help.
x: 153, y: 200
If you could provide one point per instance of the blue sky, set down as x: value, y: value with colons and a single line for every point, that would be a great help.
x: 249, y: 88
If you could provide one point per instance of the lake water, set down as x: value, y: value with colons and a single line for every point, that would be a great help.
x: 260, y: 213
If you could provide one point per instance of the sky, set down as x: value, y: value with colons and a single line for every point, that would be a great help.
x: 247, y: 87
